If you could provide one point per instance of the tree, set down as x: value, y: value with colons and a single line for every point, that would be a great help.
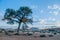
x: 22, y: 15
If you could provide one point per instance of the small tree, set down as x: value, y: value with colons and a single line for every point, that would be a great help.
x: 22, y: 15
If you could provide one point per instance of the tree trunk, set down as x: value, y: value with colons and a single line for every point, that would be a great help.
x: 18, y: 29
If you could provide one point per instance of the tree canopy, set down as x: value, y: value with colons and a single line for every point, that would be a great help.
x: 22, y: 15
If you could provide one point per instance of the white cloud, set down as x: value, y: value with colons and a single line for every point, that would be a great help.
x: 52, y: 19
x: 55, y: 6
x: 3, y: 24
x: 34, y: 7
x: 42, y: 21
x: 57, y: 23
x: 56, y: 13
x: 43, y: 24
x: 39, y: 24
x: 49, y: 7
x: 54, y: 9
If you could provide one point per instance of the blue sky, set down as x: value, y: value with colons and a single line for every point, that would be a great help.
x: 44, y: 11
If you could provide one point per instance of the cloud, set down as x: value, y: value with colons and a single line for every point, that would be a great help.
x: 49, y: 7
x: 54, y: 9
x: 39, y: 24
x: 54, y: 12
x: 43, y: 24
x: 52, y: 19
x: 55, y: 6
x: 57, y: 23
x: 42, y: 21
x: 34, y: 7
x: 3, y: 24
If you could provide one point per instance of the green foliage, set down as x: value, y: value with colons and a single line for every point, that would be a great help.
x: 16, y: 16
x: 22, y: 15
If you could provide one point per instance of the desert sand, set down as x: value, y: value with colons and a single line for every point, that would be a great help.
x: 23, y: 37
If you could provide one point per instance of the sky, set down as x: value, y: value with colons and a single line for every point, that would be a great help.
x: 45, y: 12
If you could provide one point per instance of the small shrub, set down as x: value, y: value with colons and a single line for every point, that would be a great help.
x: 10, y: 31
x: 29, y: 34
x: 50, y: 35
x: 55, y: 33
x: 0, y: 31
x: 42, y: 35
x: 16, y: 34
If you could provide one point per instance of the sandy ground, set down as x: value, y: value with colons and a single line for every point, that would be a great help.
x: 21, y: 37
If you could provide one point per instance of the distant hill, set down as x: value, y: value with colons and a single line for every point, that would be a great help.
x: 56, y: 30
x: 34, y: 29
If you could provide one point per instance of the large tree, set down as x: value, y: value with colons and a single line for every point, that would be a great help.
x: 22, y: 15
